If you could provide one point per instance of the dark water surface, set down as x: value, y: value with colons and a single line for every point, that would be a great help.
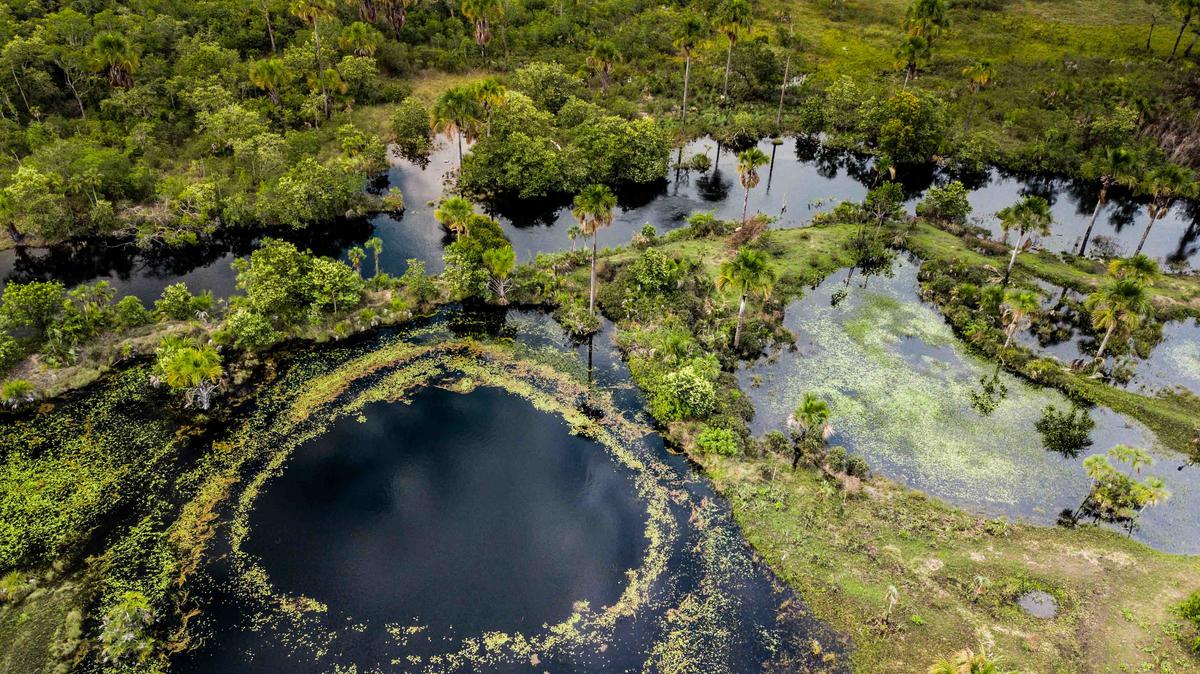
x: 425, y: 525
x: 467, y: 512
x: 804, y: 178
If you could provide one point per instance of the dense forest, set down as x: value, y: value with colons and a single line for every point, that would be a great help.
x: 136, y: 434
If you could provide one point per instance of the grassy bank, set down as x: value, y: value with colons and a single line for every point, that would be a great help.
x: 957, y: 576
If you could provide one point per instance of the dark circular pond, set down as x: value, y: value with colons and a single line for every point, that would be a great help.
x: 460, y: 513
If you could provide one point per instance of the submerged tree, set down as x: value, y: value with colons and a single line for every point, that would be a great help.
x: 749, y: 273
x: 593, y: 208
x: 1113, y: 166
x: 1030, y: 216
x: 810, y: 426
x: 748, y: 162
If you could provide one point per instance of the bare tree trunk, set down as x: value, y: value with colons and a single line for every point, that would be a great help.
x: 687, y: 74
x: 321, y: 67
x: 728, y: 66
x: 1153, y: 23
x: 1087, y: 233
x: 1012, y: 260
x: 1104, y: 344
x: 737, y: 332
x: 782, y: 90
x: 74, y: 91
x: 1187, y: 19
x: 270, y: 30
x: 1146, y: 232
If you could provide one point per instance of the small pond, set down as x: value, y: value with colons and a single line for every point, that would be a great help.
x: 463, y: 527
x: 898, y: 382
x: 803, y: 178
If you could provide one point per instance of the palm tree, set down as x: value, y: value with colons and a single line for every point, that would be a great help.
x: 500, y: 263
x: 1164, y: 186
x: 593, y: 208
x: 1188, y: 8
x: 491, y: 95
x: 454, y: 213
x: 312, y: 11
x: 1118, y: 305
x: 482, y: 13
x: 1031, y: 215
x: 1018, y: 307
x: 269, y: 75
x: 967, y: 661
x: 360, y: 38
x: 455, y: 113
x: 692, y: 29
x: 926, y: 18
x: 356, y: 255
x: 809, y: 425
x: 787, y: 41
x: 910, y: 52
x: 749, y: 272
x: 748, y: 162
x: 604, y: 55
x: 733, y: 16
x: 1140, y: 268
x: 116, y: 57
x: 194, y: 370
x: 979, y: 74
x: 394, y: 13
x: 573, y: 233
x: 375, y: 245
x: 1114, y: 166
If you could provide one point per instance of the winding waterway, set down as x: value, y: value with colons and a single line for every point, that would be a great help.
x: 803, y: 178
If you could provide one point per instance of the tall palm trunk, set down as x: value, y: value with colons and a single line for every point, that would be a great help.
x: 321, y: 68
x: 1187, y: 19
x: 1087, y: 233
x: 460, y: 154
x: 745, y: 205
x: 1146, y: 232
x: 728, y: 67
x: 1104, y: 343
x: 737, y: 332
x: 1013, y: 259
x: 1150, y: 35
x: 1012, y: 330
x: 787, y: 64
x: 592, y: 291
x: 687, y: 75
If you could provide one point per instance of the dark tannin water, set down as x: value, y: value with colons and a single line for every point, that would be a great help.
x: 802, y: 179
x: 464, y: 518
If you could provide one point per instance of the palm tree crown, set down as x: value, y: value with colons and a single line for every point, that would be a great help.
x: 454, y: 213
x: 749, y: 273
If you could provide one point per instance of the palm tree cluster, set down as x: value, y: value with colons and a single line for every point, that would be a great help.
x: 461, y: 111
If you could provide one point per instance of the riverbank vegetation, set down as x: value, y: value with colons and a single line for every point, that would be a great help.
x: 166, y: 128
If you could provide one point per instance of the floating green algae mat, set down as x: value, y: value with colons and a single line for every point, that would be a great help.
x: 899, y: 385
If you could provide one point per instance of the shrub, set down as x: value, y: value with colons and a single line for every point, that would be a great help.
x: 131, y: 313
x: 946, y: 204
x: 10, y: 351
x: 720, y: 441
x: 250, y: 331
x: 417, y: 282
x: 409, y: 124
x: 16, y: 392
x: 549, y: 85
x: 777, y: 443
x: 689, y: 392
x: 1189, y: 610
x: 1065, y: 432
x: 123, y: 634
x: 177, y: 302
